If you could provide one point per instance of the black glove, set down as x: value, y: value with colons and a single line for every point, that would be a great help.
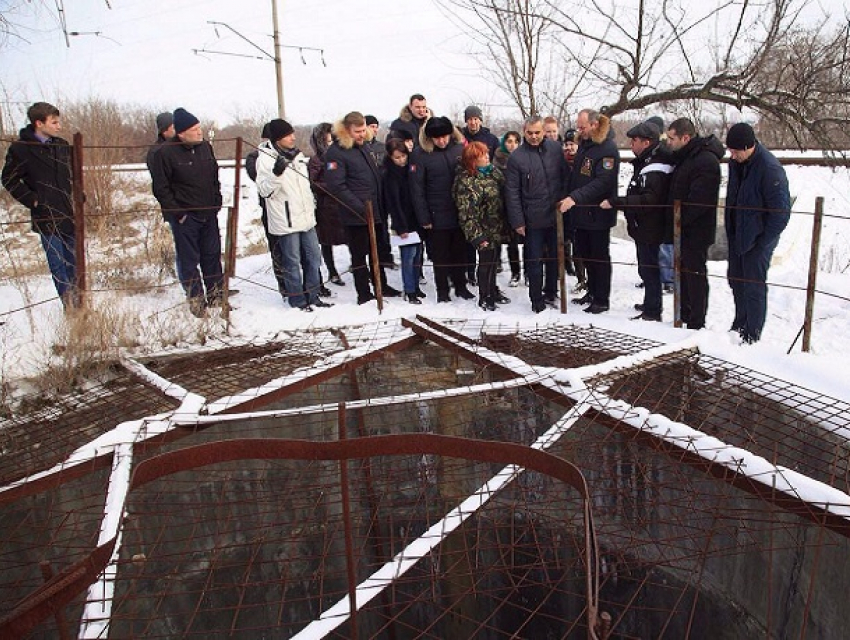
x: 279, y: 165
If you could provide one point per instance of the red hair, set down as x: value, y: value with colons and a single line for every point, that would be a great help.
x: 471, y: 153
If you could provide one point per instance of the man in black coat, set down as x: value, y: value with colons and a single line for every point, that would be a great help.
x: 475, y: 131
x: 592, y: 180
x: 186, y: 184
x: 758, y: 208
x: 353, y: 178
x: 534, y: 183
x: 646, y: 210
x: 433, y: 166
x: 410, y: 119
x: 37, y: 173
x: 695, y: 183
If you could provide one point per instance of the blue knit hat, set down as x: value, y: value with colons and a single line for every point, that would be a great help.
x: 183, y: 120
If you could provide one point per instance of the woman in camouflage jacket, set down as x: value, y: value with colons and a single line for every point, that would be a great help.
x: 477, y: 193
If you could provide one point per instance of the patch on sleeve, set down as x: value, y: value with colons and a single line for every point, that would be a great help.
x: 607, y: 163
x: 332, y: 166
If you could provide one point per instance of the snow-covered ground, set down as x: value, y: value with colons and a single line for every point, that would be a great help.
x: 161, y: 320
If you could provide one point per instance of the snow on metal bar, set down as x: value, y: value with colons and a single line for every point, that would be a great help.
x: 404, y: 560
x: 334, y: 360
x: 438, y: 394
x: 169, y: 388
x: 754, y: 467
x: 96, y: 614
x: 571, y: 383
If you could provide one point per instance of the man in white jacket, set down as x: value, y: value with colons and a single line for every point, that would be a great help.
x: 283, y: 180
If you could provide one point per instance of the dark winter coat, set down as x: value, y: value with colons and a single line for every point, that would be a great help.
x: 648, y: 218
x: 593, y: 179
x: 397, y: 200
x: 251, y: 164
x: 696, y: 183
x: 407, y: 122
x: 758, y: 202
x: 534, y: 183
x: 432, y: 174
x: 353, y: 177
x: 185, y: 180
x: 480, y: 206
x: 329, y: 226
x: 38, y: 176
x: 152, y: 151
x: 483, y: 135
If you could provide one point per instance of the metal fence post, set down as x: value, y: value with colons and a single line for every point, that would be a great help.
x: 232, y: 235
x: 373, y: 249
x: 677, y: 263
x: 79, y: 199
x: 562, y: 275
x: 813, y: 275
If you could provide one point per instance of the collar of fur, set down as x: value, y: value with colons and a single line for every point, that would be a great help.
x: 602, y: 132
x: 427, y: 143
x: 405, y: 115
x: 343, y: 137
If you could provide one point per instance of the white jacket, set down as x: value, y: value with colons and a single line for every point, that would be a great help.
x: 290, y: 204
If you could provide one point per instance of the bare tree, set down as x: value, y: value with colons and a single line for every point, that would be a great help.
x: 631, y: 56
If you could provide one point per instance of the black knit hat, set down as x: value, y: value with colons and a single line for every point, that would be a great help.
x: 472, y: 111
x: 183, y: 120
x: 741, y: 136
x: 570, y: 135
x: 370, y: 120
x: 439, y: 126
x: 279, y: 129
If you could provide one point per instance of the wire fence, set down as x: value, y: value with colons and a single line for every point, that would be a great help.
x: 124, y: 248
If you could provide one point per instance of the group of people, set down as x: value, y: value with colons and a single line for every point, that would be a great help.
x: 458, y: 193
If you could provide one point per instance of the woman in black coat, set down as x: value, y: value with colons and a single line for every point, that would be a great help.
x: 329, y: 228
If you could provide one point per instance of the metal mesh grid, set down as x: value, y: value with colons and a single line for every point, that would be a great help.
x: 34, y: 440
x: 678, y: 542
x: 784, y: 423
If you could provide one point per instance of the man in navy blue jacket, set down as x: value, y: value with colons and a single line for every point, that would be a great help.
x: 534, y: 183
x: 758, y: 208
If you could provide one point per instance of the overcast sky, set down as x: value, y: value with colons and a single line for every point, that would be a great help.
x: 377, y: 54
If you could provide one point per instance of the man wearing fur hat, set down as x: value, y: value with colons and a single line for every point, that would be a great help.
x: 352, y: 177
x: 475, y: 131
x: 186, y: 184
x: 758, y: 208
x: 433, y: 166
x: 592, y: 180
x: 411, y: 119
x: 283, y: 180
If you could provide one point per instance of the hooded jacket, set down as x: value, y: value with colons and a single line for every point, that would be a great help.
x: 648, y: 216
x: 329, y: 226
x: 758, y: 202
x: 185, y: 179
x: 696, y: 183
x: 406, y: 121
x: 432, y: 174
x: 534, y: 182
x: 289, y: 199
x: 593, y: 179
x: 352, y: 176
x: 38, y: 175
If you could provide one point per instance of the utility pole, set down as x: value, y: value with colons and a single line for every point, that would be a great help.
x: 275, y: 56
x: 278, y: 64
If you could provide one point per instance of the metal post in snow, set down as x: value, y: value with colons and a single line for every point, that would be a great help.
x: 813, y: 275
